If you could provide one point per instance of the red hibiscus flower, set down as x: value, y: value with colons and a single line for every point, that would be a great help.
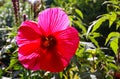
x: 48, y: 44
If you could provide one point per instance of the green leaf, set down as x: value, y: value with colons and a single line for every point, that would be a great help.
x: 95, y: 34
x: 1, y: 73
x: 80, y: 26
x: 118, y: 24
x: 111, y: 35
x: 112, y: 18
x: 94, y: 41
x: 76, y: 76
x: 99, y: 22
x: 118, y: 12
x: 79, y: 52
x: 79, y: 13
x: 112, y: 66
x: 65, y: 76
x: 61, y: 74
x: 114, y: 45
x: 13, y: 61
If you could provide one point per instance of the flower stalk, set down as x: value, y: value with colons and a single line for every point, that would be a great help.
x: 16, y: 10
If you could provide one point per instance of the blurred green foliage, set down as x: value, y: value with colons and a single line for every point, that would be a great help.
x: 98, y: 23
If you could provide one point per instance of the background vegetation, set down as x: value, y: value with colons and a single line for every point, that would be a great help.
x: 98, y: 23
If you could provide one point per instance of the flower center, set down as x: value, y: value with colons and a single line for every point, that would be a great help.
x: 48, y: 42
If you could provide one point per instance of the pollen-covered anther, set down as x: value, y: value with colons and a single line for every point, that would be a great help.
x: 48, y: 42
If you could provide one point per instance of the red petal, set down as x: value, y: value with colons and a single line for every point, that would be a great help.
x: 52, y: 20
x: 29, y: 48
x: 30, y: 62
x: 47, y: 60
x: 55, y: 60
x: 67, y: 42
x: 51, y: 61
x: 27, y: 32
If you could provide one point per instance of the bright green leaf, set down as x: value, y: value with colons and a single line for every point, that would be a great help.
x: 1, y: 73
x: 99, y: 22
x: 80, y: 26
x: 79, y: 13
x: 112, y: 18
x: 118, y: 24
x: 13, y: 61
x: 79, y: 52
x: 111, y: 35
x: 112, y: 66
x: 95, y: 34
x: 114, y: 45
x: 65, y: 77
x: 76, y: 76
x: 94, y: 41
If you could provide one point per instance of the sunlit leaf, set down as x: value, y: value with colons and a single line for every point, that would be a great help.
x: 112, y: 35
x: 76, y: 76
x: 112, y: 1
x: 114, y: 45
x: 1, y: 72
x: 13, y: 61
x: 78, y: 53
x: 112, y: 66
x: 80, y: 26
x: 118, y: 24
x: 92, y: 52
x: 79, y: 13
x: 95, y: 34
x: 94, y: 41
x: 99, y: 22
x: 65, y: 77
x: 61, y: 74
x: 112, y: 18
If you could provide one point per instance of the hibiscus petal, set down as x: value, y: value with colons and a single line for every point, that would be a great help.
x: 47, y: 60
x: 27, y: 32
x: 30, y: 62
x: 51, y: 61
x: 29, y: 48
x: 55, y: 60
x: 52, y: 20
x: 67, y: 42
